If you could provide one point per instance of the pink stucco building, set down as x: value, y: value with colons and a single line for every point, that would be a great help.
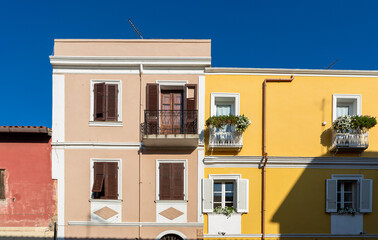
x: 127, y: 145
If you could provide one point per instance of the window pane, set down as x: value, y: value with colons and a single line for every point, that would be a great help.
x: 342, y: 111
x: 348, y: 205
x: 217, y: 187
x: 223, y: 110
x: 348, y: 186
x: 348, y: 197
x: 229, y: 197
x: 230, y: 186
x: 217, y: 205
x: 229, y: 204
x: 217, y: 197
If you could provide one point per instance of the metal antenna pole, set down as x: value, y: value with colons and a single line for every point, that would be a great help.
x: 135, y: 28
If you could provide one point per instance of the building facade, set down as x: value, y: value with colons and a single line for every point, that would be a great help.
x: 289, y: 175
x: 27, y: 192
x: 128, y: 137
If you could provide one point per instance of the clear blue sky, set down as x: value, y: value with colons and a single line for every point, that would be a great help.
x: 263, y: 34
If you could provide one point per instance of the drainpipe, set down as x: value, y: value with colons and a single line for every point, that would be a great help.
x: 140, y: 151
x: 264, y: 152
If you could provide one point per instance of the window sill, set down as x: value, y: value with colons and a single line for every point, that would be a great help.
x: 105, y: 124
x: 171, y: 201
x: 105, y: 200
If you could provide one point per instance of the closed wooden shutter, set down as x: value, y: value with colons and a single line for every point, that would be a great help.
x: 207, y: 195
x: 99, y: 102
x: 98, y: 181
x: 331, y: 195
x: 111, y: 102
x: 111, y: 181
x: 177, y: 181
x: 366, y: 195
x: 165, y: 181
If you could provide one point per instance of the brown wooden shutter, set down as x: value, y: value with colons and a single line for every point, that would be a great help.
x: 99, y: 102
x: 165, y: 181
x: 2, y: 184
x: 152, y: 97
x: 152, y: 107
x: 98, y: 182
x: 191, y: 97
x: 177, y: 181
x: 111, y: 102
x: 111, y: 181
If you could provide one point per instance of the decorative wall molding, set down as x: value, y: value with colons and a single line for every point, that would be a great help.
x: 294, y: 235
x: 292, y: 162
x: 97, y: 145
x: 135, y: 224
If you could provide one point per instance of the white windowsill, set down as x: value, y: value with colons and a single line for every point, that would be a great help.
x: 171, y: 201
x: 106, y: 200
x: 105, y: 124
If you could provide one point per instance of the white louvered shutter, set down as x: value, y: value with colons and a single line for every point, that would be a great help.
x: 207, y: 195
x: 366, y: 195
x: 242, y: 196
x: 331, y: 195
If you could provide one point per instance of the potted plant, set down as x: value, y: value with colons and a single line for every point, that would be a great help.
x: 240, y: 122
x: 354, y: 124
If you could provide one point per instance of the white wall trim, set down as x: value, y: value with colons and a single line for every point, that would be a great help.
x: 353, y: 97
x: 96, y: 145
x: 225, y: 176
x: 58, y: 116
x: 200, y: 175
x: 292, y: 162
x: 158, y: 161
x: 235, y: 96
x: 289, y: 72
x: 61, y: 192
x: 171, y: 82
x: 105, y: 124
x: 201, y: 109
x: 106, y: 81
x: 117, y: 160
x: 294, y: 235
x: 171, y: 232
x: 135, y: 224
x: 163, y: 71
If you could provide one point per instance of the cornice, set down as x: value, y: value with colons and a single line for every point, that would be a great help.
x: 119, y: 62
x: 297, y: 72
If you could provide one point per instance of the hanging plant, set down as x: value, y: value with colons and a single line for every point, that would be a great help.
x: 240, y: 122
x: 354, y: 123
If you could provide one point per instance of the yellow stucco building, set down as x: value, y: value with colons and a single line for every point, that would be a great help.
x: 318, y: 184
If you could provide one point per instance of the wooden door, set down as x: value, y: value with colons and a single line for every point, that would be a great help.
x: 171, y: 116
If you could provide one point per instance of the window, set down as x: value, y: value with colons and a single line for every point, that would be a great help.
x: 346, y: 104
x: 105, y: 180
x: 2, y: 184
x: 345, y: 192
x: 171, y: 180
x: 105, y: 102
x: 224, y: 104
x: 225, y: 191
x: 224, y: 194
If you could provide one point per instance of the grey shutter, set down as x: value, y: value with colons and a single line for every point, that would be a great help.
x: 331, y: 195
x: 207, y: 195
x: 366, y: 195
x: 242, y: 195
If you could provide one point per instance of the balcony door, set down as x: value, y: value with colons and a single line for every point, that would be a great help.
x: 172, y: 107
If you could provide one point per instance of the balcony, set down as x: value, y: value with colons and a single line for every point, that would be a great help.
x: 353, y: 141
x: 170, y: 128
x: 225, y: 139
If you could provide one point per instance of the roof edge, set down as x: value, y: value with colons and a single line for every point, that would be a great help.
x: 136, y: 40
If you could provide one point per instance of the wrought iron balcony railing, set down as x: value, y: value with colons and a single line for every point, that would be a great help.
x: 170, y: 122
x: 226, y: 137
x: 352, y: 140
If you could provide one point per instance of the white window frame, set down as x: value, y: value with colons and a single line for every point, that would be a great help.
x: 118, y: 123
x: 119, y: 161
x: 235, y: 97
x: 355, y: 98
x: 223, y: 192
x: 157, y: 178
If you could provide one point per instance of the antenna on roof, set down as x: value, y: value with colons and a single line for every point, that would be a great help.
x: 135, y: 28
x: 332, y: 64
